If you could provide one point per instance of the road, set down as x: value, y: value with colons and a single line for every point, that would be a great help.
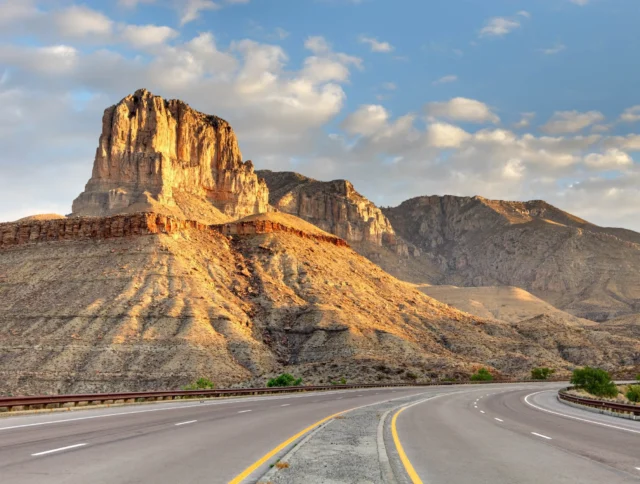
x: 479, y: 434
x: 164, y: 443
x: 515, y: 435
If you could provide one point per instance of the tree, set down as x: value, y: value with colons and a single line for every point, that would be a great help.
x: 595, y: 381
x: 482, y: 375
x: 541, y: 373
x: 284, y: 380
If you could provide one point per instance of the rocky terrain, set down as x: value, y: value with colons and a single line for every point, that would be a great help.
x: 173, y: 267
x: 163, y: 156
x: 586, y: 270
x: 148, y: 301
x: 335, y: 207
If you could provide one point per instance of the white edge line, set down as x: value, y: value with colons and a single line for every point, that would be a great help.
x: 188, y: 422
x: 58, y: 450
x: 540, y: 435
x: 285, y: 405
x: 244, y: 411
x: 526, y: 399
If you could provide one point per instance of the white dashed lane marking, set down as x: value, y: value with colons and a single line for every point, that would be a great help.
x: 498, y: 419
x: 58, y: 450
x: 186, y: 423
x: 540, y: 435
x: 244, y: 411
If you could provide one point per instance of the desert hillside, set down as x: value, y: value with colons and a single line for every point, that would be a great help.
x: 147, y: 301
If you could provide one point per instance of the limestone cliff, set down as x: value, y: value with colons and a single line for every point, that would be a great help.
x: 584, y: 269
x: 164, y: 156
x: 333, y: 206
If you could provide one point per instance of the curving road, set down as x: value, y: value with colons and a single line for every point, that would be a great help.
x: 462, y: 434
x: 516, y: 435
x: 165, y: 443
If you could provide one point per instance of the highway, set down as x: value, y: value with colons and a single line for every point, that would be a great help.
x: 515, y: 435
x: 462, y: 434
x: 165, y: 443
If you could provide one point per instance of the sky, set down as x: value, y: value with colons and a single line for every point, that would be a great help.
x: 507, y: 99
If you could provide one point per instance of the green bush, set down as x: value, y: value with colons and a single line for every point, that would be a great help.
x: 482, y: 375
x: 638, y: 377
x: 541, y: 373
x: 595, y: 381
x: 200, y: 384
x: 284, y: 380
x: 633, y: 393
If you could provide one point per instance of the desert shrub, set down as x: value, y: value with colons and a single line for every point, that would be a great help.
x: 411, y: 376
x: 633, y: 393
x: 200, y: 384
x: 482, y: 375
x: 595, y: 381
x: 541, y: 373
x: 284, y: 380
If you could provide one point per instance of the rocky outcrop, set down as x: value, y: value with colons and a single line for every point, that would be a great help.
x: 164, y: 156
x: 100, y: 228
x: 584, y: 269
x: 333, y: 206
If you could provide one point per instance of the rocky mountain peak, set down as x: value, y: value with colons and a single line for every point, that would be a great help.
x: 164, y: 156
x: 334, y: 206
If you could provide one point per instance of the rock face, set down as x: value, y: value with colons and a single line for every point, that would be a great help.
x: 164, y: 302
x: 589, y: 271
x: 333, y: 206
x: 158, y: 155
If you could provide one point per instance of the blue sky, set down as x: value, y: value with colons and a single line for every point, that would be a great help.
x: 503, y: 98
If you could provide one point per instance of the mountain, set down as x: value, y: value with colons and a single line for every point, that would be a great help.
x: 158, y: 155
x: 173, y: 267
x: 586, y: 270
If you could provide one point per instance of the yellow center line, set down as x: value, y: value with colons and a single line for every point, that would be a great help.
x: 413, y: 475
x: 253, y: 467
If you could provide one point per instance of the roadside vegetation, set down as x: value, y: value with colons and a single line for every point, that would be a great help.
x: 542, y: 373
x: 482, y: 375
x: 595, y: 381
x: 633, y: 393
x: 200, y: 384
x: 284, y: 380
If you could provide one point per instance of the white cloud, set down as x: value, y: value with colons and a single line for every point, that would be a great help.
x: 445, y: 80
x: 444, y: 135
x: 80, y: 21
x: 190, y: 9
x: 147, y: 35
x: 317, y: 44
x: 582, y: 3
x: 631, y: 115
x: 389, y: 86
x: 556, y: 49
x: 462, y: 109
x: 524, y: 13
x: 366, y: 120
x: 376, y: 45
x: 611, y: 160
x: 525, y: 120
x: 571, y: 121
x: 133, y: 3
x: 499, y: 27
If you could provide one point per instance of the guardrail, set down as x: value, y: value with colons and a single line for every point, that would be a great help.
x: 55, y: 401
x: 602, y: 405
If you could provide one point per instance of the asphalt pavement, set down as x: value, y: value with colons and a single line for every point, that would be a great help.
x: 515, y: 435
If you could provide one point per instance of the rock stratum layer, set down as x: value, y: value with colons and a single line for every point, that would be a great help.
x: 159, y: 308
x: 164, y: 156
x: 589, y: 271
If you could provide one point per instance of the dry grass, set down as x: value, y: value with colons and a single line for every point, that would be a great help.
x: 282, y: 465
